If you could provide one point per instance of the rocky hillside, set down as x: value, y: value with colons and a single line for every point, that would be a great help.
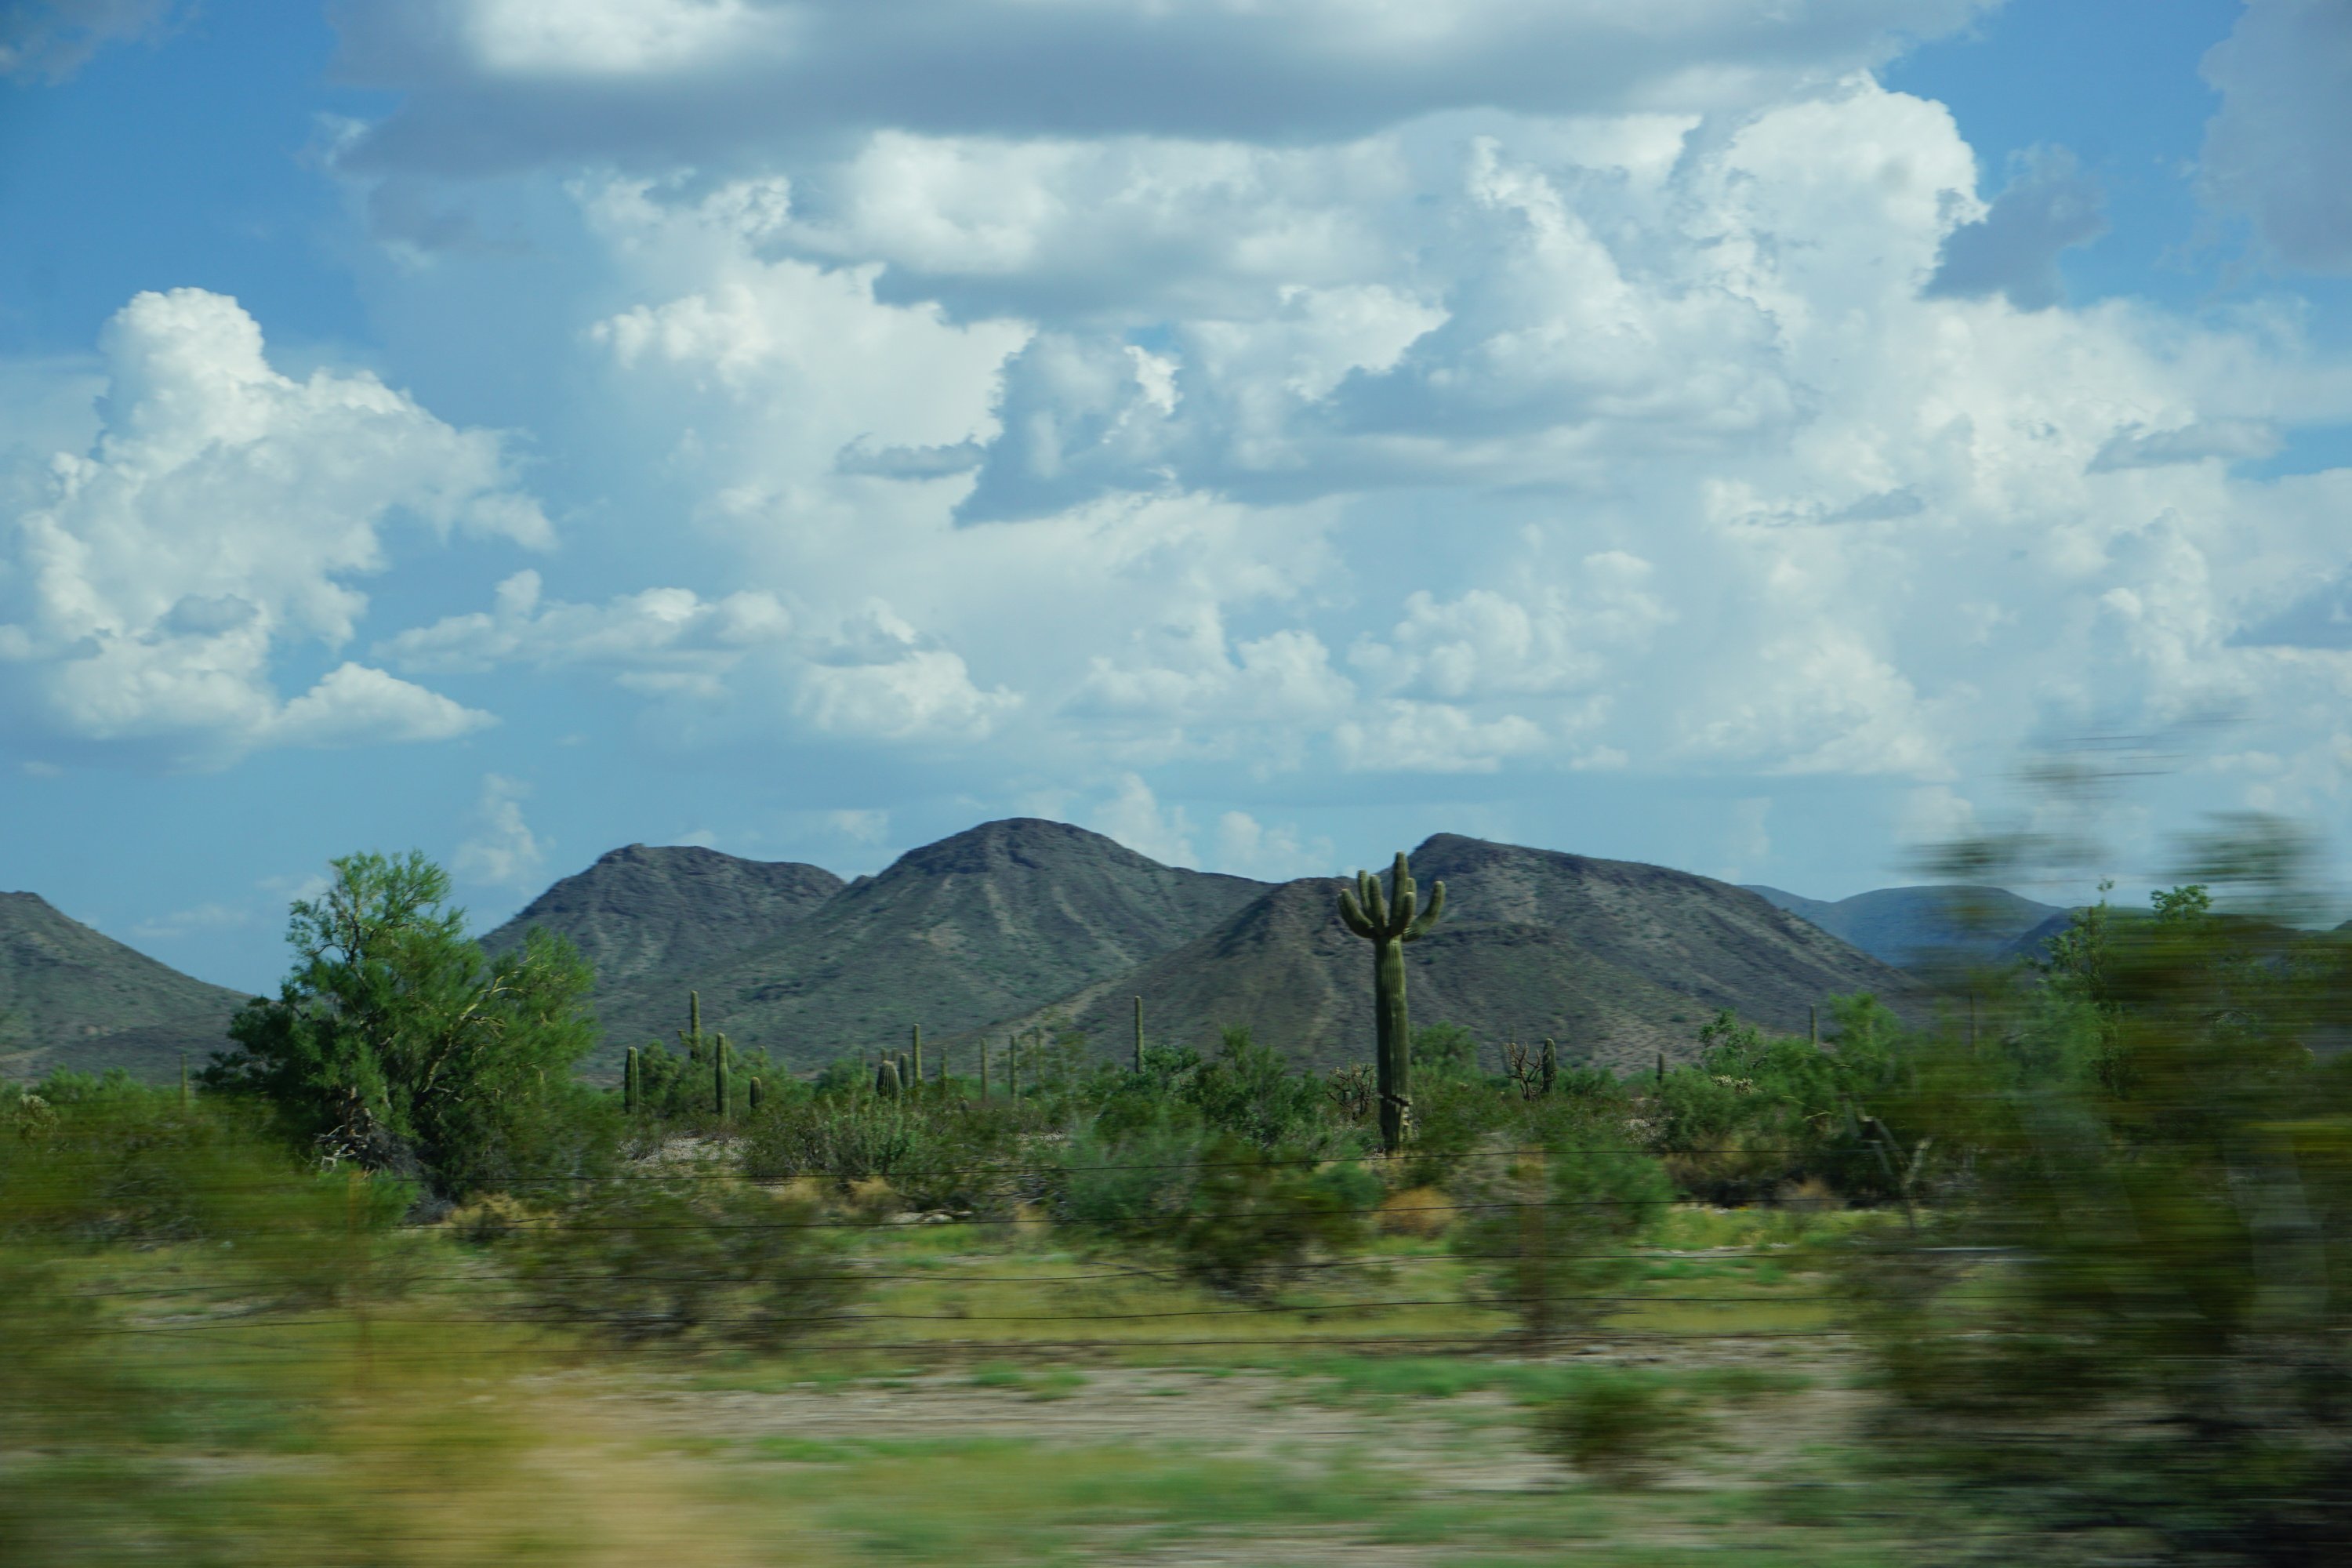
x: 70, y: 997
x: 990, y: 923
x: 641, y: 914
x: 1615, y: 960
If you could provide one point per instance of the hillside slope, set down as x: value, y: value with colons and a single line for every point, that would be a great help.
x: 1905, y: 926
x: 1615, y: 960
x: 985, y: 925
x: 71, y: 997
x: 642, y: 913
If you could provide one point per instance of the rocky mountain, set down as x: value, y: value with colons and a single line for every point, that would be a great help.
x: 1923, y: 925
x: 990, y: 923
x: 70, y: 997
x: 642, y: 913
x: 1615, y: 960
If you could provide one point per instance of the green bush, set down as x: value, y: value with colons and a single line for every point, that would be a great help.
x: 1255, y: 1216
x: 1551, y: 1234
x: 1622, y: 1426
x: 679, y: 1260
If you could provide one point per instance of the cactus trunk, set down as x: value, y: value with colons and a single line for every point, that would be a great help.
x: 718, y: 1075
x: 633, y: 1084
x: 1548, y: 1072
x: 919, y: 1053
x: 1392, y: 1030
x: 886, y: 1078
x: 759, y: 1095
x: 1388, y: 920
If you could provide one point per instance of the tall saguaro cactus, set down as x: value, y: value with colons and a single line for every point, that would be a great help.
x: 1388, y: 920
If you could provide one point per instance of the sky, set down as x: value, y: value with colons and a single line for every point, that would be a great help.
x: 1770, y: 441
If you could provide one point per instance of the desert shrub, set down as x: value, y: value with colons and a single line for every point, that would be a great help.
x: 940, y: 1154
x: 1552, y: 1233
x: 1130, y: 1180
x: 1621, y: 1424
x: 1255, y: 1214
x: 1248, y: 1090
x: 2128, y: 1301
x: 681, y: 1260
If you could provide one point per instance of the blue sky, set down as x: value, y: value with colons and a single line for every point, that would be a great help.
x: 1745, y: 439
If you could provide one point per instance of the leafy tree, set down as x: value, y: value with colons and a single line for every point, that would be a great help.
x: 397, y: 1045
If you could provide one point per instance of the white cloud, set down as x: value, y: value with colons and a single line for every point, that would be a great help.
x: 1133, y: 816
x: 354, y: 705
x: 1402, y: 736
x: 222, y: 513
x: 879, y: 679
x: 663, y: 639
x: 1247, y: 847
x: 501, y: 851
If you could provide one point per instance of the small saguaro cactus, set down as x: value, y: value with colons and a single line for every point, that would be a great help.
x: 1548, y: 1073
x: 916, y: 1065
x: 886, y: 1078
x: 1388, y: 920
x: 633, y: 1084
x: 759, y: 1095
x: 718, y: 1075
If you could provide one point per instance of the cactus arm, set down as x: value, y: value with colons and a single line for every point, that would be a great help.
x: 1429, y: 917
x: 1405, y: 902
x: 1374, y: 899
x: 1351, y: 915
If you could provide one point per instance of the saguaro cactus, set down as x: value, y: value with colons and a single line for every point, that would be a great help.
x: 886, y: 1078
x: 718, y: 1075
x: 633, y: 1084
x: 1388, y: 921
x: 759, y: 1095
x: 919, y: 1053
x: 1548, y: 1069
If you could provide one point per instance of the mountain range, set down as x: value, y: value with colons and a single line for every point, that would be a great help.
x: 1917, y: 926
x: 1016, y: 924
x: 1025, y: 924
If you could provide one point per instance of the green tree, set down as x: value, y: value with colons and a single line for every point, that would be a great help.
x: 396, y: 1044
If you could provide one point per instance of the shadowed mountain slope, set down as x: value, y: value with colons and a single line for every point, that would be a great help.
x: 1615, y: 960
x: 988, y: 924
x: 1905, y: 926
x: 70, y: 997
x: 643, y: 912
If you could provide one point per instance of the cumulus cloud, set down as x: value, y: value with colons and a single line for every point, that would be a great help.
x: 1716, y: 426
x: 503, y: 83
x: 502, y: 851
x: 222, y: 513
x: 51, y: 39
x: 666, y: 639
x: 1133, y: 815
x: 878, y: 679
x: 1248, y: 848
x: 2049, y: 207
x: 2276, y: 149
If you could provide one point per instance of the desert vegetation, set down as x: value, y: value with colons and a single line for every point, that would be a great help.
x: 2058, y: 1275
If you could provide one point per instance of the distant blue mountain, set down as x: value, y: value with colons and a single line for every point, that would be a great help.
x: 1908, y: 927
